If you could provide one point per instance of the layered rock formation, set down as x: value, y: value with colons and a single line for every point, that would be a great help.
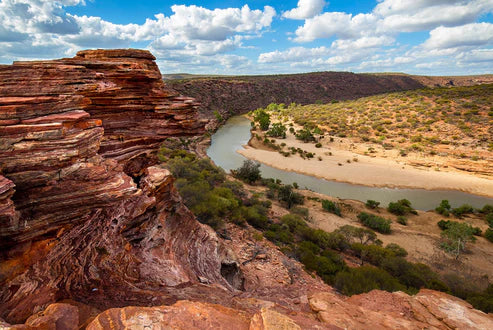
x: 77, y: 225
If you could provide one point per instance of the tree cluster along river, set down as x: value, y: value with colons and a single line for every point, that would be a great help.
x: 236, y: 132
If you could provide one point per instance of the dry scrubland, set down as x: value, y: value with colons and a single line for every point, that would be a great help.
x: 443, y: 126
x: 405, y: 250
x: 432, y: 138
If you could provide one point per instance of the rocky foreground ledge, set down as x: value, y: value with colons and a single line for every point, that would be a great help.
x: 93, y: 233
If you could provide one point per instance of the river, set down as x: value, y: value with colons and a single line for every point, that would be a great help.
x: 236, y: 132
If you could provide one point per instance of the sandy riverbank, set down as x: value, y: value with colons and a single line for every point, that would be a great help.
x: 368, y: 171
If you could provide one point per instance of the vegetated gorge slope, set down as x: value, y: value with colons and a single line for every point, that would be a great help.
x: 230, y: 95
x: 88, y: 221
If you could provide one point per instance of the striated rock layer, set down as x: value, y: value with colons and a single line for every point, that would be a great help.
x: 73, y: 223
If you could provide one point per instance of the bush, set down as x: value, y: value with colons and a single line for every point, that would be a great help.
x: 489, y: 219
x: 326, y: 265
x: 331, y: 207
x: 301, y: 211
x: 248, y: 172
x: 356, y: 234
x: 375, y: 222
x: 444, y: 208
x: 364, y: 279
x: 461, y: 210
x: 263, y: 118
x: 372, y: 204
x: 402, y: 220
x: 318, y: 145
x: 401, y: 207
x: 456, y: 236
x: 305, y: 135
x: 488, y: 234
x: 277, y: 130
x: 396, y: 249
x: 444, y: 225
x: 287, y: 195
x: 487, y: 209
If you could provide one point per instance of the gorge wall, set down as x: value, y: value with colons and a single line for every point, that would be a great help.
x: 233, y: 95
x: 93, y: 233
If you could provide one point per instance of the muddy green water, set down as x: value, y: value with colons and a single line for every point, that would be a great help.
x: 236, y: 132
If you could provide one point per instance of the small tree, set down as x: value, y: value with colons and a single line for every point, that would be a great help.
x: 277, y: 130
x: 263, y: 118
x: 361, y: 235
x: 372, y: 204
x: 290, y: 197
x: 248, y: 172
x: 444, y: 208
x: 456, y: 236
x: 305, y: 135
x: 331, y: 207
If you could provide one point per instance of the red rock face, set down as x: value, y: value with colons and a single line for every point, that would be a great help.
x: 76, y: 225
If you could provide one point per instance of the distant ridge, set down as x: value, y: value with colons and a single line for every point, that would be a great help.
x: 229, y: 95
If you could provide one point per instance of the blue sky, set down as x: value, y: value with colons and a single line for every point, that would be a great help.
x: 431, y: 37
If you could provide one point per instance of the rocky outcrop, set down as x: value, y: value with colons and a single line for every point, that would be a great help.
x: 90, y: 219
x: 9, y: 217
x: 378, y: 310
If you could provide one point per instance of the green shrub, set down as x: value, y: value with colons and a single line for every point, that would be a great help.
x: 287, y: 195
x: 488, y: 234
x: 364, y: 279
x: 277, y: 130
x: 482, y: 302
x: 444, y: 225
x: 444, y: 208
x: 331, y: 207
x: 248, y: 172
x: 396, y: 249
x: 489, y: 219
x: 301, y: 211
x: 487, y: 209
x: 263, y: 118
x: 318, y: 145
x: 372, y: 204
x: 456, y: 236
x: 354, y: 234
x: 305, y: 135
x: 461, y: 210
x: 402, y: 220
x: 401, y: 207
x: 375, y: 222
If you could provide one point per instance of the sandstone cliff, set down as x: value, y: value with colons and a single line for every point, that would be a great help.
x: 73, y: 224
x: 93, y: 234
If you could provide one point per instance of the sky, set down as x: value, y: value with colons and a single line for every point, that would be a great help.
x: 429, y: 37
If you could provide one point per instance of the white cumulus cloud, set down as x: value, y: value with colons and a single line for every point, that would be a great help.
x: 475, y: 34
x: 305, y: 9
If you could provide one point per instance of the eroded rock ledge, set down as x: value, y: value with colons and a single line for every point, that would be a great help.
x: 83, y: 213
